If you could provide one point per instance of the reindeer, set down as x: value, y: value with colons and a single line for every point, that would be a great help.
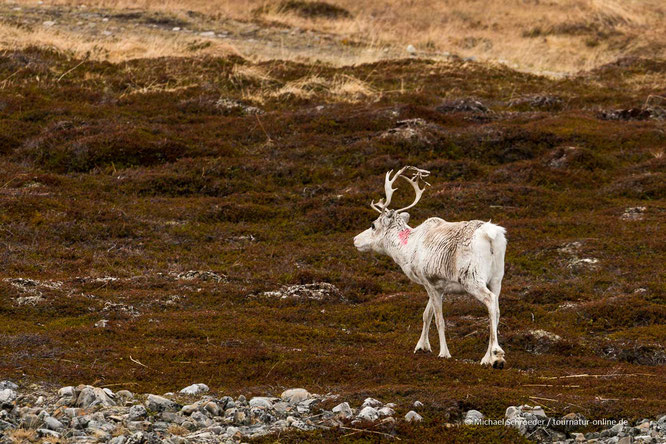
x: 444, y: 257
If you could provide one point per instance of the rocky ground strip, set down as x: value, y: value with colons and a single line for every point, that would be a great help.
x: 92, y: 414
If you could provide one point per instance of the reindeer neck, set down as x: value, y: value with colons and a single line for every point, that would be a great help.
x: 399, y: 242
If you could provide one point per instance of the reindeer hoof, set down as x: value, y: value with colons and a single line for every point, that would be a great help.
x: 422, y: 350
x: 499, y: 364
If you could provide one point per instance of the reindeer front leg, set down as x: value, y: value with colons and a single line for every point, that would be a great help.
x: 424, y: 342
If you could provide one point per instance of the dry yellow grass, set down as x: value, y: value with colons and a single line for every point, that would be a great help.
x: 558, y: 35
x: 22, y: 436
x: 340, y: 88
x: 129, y: 46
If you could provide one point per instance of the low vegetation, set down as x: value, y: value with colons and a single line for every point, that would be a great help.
x: 176, y: 197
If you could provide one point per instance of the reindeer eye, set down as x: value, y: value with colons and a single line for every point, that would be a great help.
x: 372, y: 225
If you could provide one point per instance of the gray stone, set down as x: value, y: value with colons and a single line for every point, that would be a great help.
x: 372, y: 402
x: 189, y: 409
x: 213, y: 408
x: 159, y: 404
x: 172, y: 417
x: 80, y: 422
x: 368, y: 413
x: 52, y: 423
x: 617, y: 428
x: 6, y: 384
x: 412, y: 416
x: 195, y: 389
x: 118, y: 440
x: 261, y: 402
x: 7, y: 395
x: 386, y: 411
x: 30, y: 421
x: 47, y: 433
x: 295, y: 395
x: 91, y: 396
x: 473, y: 417
x: 418, y: 404
x: 200, y: 419
x: 281, y: 407
x: 136, y: 438
x: 124, y: 395
x: 137, y: 412
x: 343, y: 410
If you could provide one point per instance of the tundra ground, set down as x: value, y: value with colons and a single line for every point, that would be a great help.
x: 179, y: 199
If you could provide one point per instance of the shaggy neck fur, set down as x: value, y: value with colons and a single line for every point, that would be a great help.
x: 399, y: 240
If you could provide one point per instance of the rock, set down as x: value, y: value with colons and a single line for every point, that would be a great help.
x: 634, y: 213
x: 543, y: 334
x: 200, y: 419
x: 124, y: 396
x: 343, y: 410
x: 213, y: 408
x: 189, y: 409
x: 102, y: 323
x: 411, y: 50
x: 372, y: 402
x: 418, y: 404
x: 90, y: 396
x: 317, y: 291
x: 7, y: 395
x: 281, y: 407
x: 368, y: 413
x: 68, y: 391
x: 52, y: 423
x: 233, y: 432
x: 412, y: 416
x: 386, y: 411
x: 195, y: 389
x: 578, y: 437
x: 625, y: 440
x: 473, y: 417
x: 617, y: 428
x: 173, y: 417
x: 8, y: 385
x: 30, y: 421
x: 207, y: 34
x: 159, y: 404
x: 48, y: 23
x: 80, y: 422
x: 118, y: 440
x: 294, y: 396
x: 137, y: 412
x: 46, y: 433
x: 261, y: 402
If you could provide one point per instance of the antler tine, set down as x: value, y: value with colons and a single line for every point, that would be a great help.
x: 388, y: 185
x: 419, y: 174
x: 377, y: 206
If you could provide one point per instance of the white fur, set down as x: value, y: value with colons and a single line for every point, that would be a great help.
x: 445, y: 257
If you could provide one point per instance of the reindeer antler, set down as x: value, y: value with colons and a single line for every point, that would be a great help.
x: 419, y: 174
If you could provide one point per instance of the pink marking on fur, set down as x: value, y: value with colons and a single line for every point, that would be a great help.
x: 404, y: 235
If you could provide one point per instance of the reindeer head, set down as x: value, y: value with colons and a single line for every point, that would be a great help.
x: 389, y: 221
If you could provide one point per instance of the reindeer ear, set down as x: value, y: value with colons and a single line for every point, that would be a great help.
x: 405, y: 217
